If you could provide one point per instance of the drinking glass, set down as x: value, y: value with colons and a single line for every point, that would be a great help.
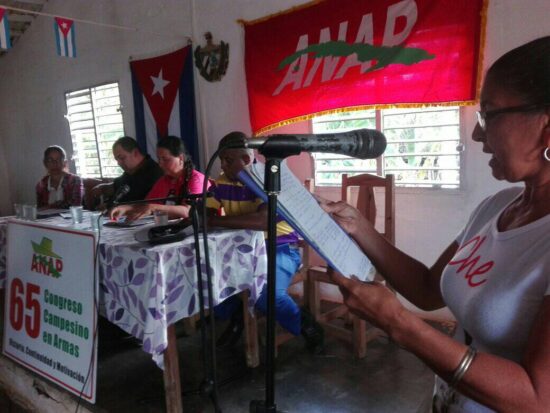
x: 18, y: 209
x: 29, y: 212
x: 77, y: 214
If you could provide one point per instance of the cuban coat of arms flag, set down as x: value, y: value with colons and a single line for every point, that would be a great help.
x: 5, y: 42
x: 164, y: 100
x: 64, y: 36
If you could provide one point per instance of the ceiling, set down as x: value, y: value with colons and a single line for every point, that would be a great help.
x: 19, y: 20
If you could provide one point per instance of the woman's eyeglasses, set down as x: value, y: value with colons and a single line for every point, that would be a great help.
x: 52, y: 161
x: 484, y: 116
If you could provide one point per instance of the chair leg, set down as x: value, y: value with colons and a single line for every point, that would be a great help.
x: 252, y: 349
x: 305, y: 291
x: 359, y: 337
x: 314, y: 299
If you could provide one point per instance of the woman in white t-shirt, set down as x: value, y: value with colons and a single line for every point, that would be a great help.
x: 59, y: 188
x: 495, y: 276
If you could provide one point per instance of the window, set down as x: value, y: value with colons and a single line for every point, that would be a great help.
x: 95, y: 120
x: 423, y: 146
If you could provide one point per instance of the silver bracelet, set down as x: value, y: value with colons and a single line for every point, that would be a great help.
x: 463, y: 366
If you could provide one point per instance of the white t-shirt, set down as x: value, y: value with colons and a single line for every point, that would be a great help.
x: 495, y: 283
x: 55, y: 194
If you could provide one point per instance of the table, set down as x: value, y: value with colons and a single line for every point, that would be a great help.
x: 145, y: 289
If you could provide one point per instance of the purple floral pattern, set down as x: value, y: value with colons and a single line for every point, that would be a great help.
x: 144, y: 289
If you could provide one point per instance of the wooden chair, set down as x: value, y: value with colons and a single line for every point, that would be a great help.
x: 338, y: 320
x: 88, y: 201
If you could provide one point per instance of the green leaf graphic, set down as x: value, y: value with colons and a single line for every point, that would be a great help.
x: 383, y: 55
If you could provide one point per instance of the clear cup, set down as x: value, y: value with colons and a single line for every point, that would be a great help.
x: 161, y: 217
x: 18, y: 210
x: 29, y: 212
x: 77, y: 214
x: 95, y: 221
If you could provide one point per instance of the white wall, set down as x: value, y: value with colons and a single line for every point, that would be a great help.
x: 33, y: 81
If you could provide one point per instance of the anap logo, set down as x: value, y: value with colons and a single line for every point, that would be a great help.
x: 44, y: 260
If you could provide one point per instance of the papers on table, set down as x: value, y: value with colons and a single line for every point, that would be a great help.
x: 52, y: 212
x: 123, y: 223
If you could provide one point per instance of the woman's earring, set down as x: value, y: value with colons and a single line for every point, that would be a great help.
x: 546, y: 154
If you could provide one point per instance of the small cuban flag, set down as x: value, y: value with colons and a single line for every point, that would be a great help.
x: 5, y: 42
x: 64, y: 35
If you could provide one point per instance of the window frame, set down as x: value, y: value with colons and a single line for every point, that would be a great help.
x: 460, y: 188
x: 89, y: 89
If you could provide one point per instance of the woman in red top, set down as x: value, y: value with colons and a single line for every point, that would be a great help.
x: 179, y: 173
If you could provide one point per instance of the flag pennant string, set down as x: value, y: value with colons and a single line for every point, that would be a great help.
x: 64, y: 28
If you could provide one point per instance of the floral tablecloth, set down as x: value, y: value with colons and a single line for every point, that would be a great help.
x: 143, y: 289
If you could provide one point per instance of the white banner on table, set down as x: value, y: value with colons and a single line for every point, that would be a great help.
x: 50, y: 315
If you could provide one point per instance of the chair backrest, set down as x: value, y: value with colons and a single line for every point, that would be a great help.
x: 89, y: 201
x: 366, y: 202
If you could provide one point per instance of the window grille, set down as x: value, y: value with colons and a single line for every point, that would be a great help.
x: 95, y: 120
x: 423, y: 146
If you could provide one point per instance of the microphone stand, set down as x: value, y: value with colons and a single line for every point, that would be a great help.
x: 208, y: 386
x: 272, y: 187
x: 273, y: 154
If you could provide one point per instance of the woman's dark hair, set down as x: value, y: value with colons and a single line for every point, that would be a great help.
x: 127, y: 143
x: 55, y: 148
x: 176, y: 147
x: 525, y: 71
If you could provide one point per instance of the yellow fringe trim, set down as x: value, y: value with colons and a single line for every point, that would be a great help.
x: 358, y: 108
x: 280, y: 13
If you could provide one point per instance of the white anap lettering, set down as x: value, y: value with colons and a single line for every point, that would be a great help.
x: 296, y: 69
x: 365, y: 34
x: 329, y: 62
x: 407, y: 9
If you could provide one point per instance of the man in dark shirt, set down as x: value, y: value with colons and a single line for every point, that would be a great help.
x: 140, y: 172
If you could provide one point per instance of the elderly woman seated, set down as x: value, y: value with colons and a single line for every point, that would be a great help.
x: 59, y: 188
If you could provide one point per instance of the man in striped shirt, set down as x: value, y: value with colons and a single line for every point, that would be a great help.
x: 244, y: 210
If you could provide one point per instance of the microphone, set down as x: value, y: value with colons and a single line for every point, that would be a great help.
x: 361, y: 143
x: 122, y: 191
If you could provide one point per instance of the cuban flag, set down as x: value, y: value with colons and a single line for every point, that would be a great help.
x: 5, y: 42
x: 64, y: 36
x: 164, y: 100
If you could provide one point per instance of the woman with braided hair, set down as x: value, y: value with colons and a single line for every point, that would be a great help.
x: 180, y: 178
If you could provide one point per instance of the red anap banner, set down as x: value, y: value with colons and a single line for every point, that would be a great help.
x: 334, y: 54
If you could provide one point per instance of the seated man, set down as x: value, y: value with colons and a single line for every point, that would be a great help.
x: 140, y: 172
x: 244, y: 210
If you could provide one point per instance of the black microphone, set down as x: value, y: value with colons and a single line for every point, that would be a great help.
x: 122, y: 191
x: 361, y: 143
